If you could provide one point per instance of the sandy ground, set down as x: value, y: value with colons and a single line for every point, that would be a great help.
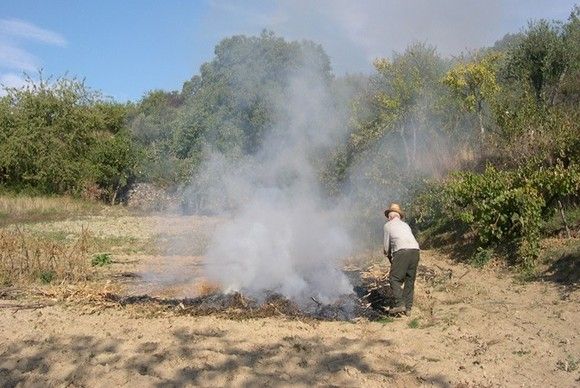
x: 470, y: 328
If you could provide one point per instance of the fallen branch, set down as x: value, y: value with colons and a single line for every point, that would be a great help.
x: 18, y: 306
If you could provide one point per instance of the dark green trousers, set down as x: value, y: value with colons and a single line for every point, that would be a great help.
x: 403, y: 273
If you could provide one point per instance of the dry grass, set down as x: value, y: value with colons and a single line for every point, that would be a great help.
x: 25, y: 258
x: 23, y: 209
x: 26, y: 204
x: 205, y: 287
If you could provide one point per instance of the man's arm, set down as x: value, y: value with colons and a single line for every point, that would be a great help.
x: 386, y: 243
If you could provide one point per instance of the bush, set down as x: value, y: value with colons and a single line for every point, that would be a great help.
x: 481, y: 257
x: 501, y: 209
x: 47, y: 277
x: 62, y: 138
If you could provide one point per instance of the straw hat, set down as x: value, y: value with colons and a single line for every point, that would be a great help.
x: 394, y: 207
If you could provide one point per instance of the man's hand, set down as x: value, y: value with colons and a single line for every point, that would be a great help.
x: 388, y: 256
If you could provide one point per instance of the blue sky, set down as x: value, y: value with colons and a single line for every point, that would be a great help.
x: 125, y: 48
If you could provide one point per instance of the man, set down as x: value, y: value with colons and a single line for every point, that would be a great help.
x: 402, y: 249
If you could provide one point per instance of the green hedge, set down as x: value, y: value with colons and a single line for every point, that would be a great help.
x: 502, y: 209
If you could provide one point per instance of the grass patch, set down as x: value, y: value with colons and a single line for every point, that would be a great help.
x: 125, y: 245
x: 101, y: 259
x: 55, y: 235
x: 386, y: 319
x: 526, y: 274
x: 414, y: 323
x: 116, y: 244
x: 47, y: 277
x: 570, y: 364
x: 31, y: 209
x: 481, y: 257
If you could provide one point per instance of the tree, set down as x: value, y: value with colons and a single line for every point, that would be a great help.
x: 228, y: 108
x: 539, y: 59
x: 570, y: 79
x: 53, y: 135
x: 474, y: 83
x: 408, y: 88
x: 114, y: 161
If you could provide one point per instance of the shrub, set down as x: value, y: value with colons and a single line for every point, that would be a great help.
x: 46, y: 277
x: 481, y: 257
x: 501, y: 209
x: 61, y: 137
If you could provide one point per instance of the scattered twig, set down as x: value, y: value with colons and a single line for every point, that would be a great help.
x: 19, y: 306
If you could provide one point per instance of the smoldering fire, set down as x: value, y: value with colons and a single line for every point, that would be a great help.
x: 281, y: 235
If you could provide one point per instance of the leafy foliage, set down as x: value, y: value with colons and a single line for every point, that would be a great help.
x: 229, y: 108
x: 474, y: 83
x: 539, y: 59
x: 499, y: 207
x: 61, y: 137
x: 101, y: 259
x: 530, y: 154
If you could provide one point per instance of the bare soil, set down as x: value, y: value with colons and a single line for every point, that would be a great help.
x: 470, y: 327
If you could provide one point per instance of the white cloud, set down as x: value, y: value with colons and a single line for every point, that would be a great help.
x: 355, y: 32
x: 14, y: 33
x: 13, y: 57
x: 10, y: 80
x: 22, y: 29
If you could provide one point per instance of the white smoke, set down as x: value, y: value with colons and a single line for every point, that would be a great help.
x: 281, y: 236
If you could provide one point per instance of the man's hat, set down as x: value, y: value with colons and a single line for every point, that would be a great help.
x: 394, y: 207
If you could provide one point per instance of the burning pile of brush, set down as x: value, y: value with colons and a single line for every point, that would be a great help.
x: 371, y: 299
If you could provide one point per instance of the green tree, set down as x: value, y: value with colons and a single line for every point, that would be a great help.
x: 228, y: 108
x: 409, y: 86
x: 474, y: 83
x: 51, y: 131
x: 570, y: 79
x: 539, y: 59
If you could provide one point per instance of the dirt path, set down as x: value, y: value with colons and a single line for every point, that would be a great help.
x: 470, y: 328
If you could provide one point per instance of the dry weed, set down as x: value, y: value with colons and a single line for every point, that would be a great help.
x: 24, y: 209
x: 25, y: 204
x: 204, y: 287
x: 27, y: 258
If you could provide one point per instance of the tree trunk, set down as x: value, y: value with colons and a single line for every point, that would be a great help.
x: 406, y: 146
x: 568, y: 234
x: 480, y: 117
x: 414, y: 144
x: 115, y: 193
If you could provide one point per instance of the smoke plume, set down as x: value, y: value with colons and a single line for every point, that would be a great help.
x: 280, y: 235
